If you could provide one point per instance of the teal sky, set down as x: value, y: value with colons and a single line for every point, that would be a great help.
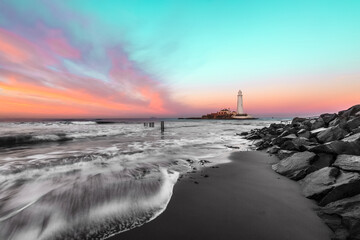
x: 251, y: 38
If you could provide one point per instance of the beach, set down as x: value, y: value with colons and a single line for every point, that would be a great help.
x: 243, y: 199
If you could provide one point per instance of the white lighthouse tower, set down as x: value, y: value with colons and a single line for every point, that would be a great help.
x: 240, y: 108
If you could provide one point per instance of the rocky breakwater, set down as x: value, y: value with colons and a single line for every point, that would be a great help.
x: 323, y: 155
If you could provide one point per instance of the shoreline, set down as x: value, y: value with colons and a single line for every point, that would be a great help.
x: 243, y: 199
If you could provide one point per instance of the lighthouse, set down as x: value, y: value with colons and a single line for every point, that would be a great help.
x: 240, y: 108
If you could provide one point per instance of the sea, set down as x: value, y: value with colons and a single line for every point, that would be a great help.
x: 93, y: 179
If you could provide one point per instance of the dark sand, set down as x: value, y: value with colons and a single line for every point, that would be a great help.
x: 242, y: 200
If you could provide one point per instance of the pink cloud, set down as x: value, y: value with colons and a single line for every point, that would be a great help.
x: 16, y: 49
x: 55, y: 40
x: 25, y: 76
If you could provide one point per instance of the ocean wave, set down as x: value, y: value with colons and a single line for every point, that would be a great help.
x: 83, y: 122
x: 96, y: 206
x: 21, y: 139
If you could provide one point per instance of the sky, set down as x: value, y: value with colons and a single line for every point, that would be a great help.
x: 177, y: 58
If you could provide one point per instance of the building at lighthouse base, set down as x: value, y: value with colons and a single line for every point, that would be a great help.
x: 243, y: 116
x: 226, y: 113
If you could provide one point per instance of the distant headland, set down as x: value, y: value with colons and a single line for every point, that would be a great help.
x: 226, y: 113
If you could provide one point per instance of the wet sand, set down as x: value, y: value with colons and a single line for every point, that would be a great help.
x: 242, y: 200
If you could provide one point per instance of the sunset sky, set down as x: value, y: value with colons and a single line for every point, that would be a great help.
x: 169, y: 58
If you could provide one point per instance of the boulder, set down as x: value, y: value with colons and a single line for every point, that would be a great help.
x: 284, y: 154
x: 331, y: 134
x: 343, y: 215
x: 253, y: 136
x: 348, y: 162
x: 289, y: 145
x: 334, y: 222
x: 313, y: 140
x: 298, y: 144
x: 350, y: 112
x: 276, y: 125
x: 334, y: 122
x: 307, y: 123
x: 324, y: 160
x: 318, y: 124
x: 356, y: 130
x: 317, y: 184
x: 353, y: 123
x: 330, y: 184
x: 304, y: 133
x: 283, y: 138
x: 279, y: 131
x: 290, y: 136
x: 262, y: 144
x: 296, y: 166
x: 287, y: 133
x: 318, y: 130
x: 328, y: 117
x: 352, y: 138
x: 335, y: 147
x: 298, y: 120
x: 273, y: 149
x: 338, y: 147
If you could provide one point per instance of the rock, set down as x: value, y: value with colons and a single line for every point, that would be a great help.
x: 328, y: 117
x: 346, y: 210
x: 348, y: 162
x: 330, y: 184
x: 334, y: 222
x: 298, y: 120
x: 273, y: 149
x: 243, y: 134
x: 281, y: 138
x: 352, y: 138
x: 331, y: 147
x: 307, y: 123
x: 350, y: 112
x: 356, y: 130
x: 304, y: 133
x: 284, y: 154
x: 318, y: 130
x: 203, y: 162
x: 288, y: 145
x: 276, y: 125
x: 337, y: 147
x: 317, y: 184
x: 236, y: 147
x: 334, y: 122
x: 290, y: 136
x: 331, y: 134
x: 298, y: 144
x: 285, y: 133
x: 253, y: 137
x: 313, y: 140
x: 296, y: 166
x: 353, y: 123
x: 261, y: 145
x: 318, y: 124
x: 279, y: 131
x: 324, y: 160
